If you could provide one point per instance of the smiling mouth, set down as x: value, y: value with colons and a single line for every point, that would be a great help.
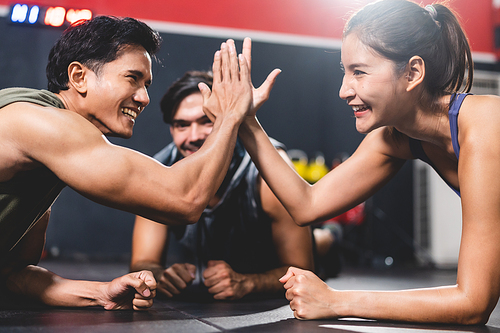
x: 359, y: 108
x: 130, y: 113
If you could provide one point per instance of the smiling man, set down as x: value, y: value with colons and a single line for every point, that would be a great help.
x: 99, y: 72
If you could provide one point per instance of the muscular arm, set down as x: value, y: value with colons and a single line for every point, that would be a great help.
x: 149, y: 242
x: 293, y: 243
x: 23, y: 278
x: 78, y: 154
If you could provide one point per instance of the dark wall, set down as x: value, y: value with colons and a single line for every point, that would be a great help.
x: 304, y: 112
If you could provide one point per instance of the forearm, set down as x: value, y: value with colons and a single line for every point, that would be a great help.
x: 151, y: 266
x: 267, y: 282
x: 281, y: 178
x: 433, y: 305
x: 42, y: 285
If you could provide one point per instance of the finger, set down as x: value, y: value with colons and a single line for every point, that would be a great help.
x: 289, y: 295
x: 205, y: 91
x: 211, y: 280
x: 183, y: 273
x: 247, y: 52
x: 142, y: 304
x: 148, y: 278
x: 287, y: 276
x: 172, y: 281
x: 192, y: 270
x: 170, y: 287
x: 225, y: 67
x: 212, y: 263
x: 233, y: 60
x: 224, y: 295
x: 270, y: 81
x: 244, y: 70
x: 164, y: 291
x: 217, y: 288
x: 216, y: 67
x: 139, y: 285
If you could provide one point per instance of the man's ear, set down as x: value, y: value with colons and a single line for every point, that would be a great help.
x: 77, y: 75
x: 415, y: 72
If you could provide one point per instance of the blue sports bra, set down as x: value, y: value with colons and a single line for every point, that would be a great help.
x: 416, y: 145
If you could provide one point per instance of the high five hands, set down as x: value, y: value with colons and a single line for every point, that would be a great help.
x: 233, y: 92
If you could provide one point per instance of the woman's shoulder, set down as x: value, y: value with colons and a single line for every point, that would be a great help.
x: 479, y: 116
x: 390, y: 142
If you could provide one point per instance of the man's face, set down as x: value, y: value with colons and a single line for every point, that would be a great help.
x: 118, y: 93
x: 190, y: 126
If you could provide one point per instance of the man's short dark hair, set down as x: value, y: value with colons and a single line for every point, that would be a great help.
x: 180, y: 89
x: 94, y: 43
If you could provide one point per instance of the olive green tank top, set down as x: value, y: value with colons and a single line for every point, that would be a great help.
x: 27, y: 196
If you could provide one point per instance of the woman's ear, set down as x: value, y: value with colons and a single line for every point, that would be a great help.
x: 415, y: 72
x: 77, y: 77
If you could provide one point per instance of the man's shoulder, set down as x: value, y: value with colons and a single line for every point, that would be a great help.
x: 29, y: 95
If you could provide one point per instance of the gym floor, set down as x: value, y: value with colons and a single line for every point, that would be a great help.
x: 261, y: 315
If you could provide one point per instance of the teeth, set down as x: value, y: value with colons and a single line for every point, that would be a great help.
x: 129, y: 112
x: 357, y: 108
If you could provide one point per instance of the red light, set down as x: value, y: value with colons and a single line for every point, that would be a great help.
x: 54, y: 16
x: 74, y: 15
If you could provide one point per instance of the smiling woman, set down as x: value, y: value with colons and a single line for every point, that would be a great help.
x: 404, y: 68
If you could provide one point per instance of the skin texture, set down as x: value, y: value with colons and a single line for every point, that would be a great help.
x: 190, y: 128
x: 380, y: 98
x: 80, y: 155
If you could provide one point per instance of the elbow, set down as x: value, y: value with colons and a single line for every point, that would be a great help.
x: 477, y: 314
x: 303, y: 222
x: 476, y: 319
x: 192, y: 209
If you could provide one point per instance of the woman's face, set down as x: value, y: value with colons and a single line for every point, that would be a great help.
x: 370, y: 86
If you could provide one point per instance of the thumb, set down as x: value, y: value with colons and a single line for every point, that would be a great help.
x: 191, y: 269
x: 144, y: 283
x: 205, y: 91
x: 289, y: 273
x: 270, y: 80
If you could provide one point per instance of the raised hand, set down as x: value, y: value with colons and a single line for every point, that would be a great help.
x: 223, y: 282
x: 231, y: 94
x: 132, y: 291
x: 261, y: 94
x: 309, y: 296
x: 176, y: 278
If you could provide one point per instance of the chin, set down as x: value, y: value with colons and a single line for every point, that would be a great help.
x: 361, y: 129
x: 126, y: 135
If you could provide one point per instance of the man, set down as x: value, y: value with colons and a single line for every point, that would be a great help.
x: 98, y: 73
x: 244, y: 241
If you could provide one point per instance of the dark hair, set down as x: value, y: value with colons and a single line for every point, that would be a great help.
x: 399, y: 30
x: 94, y: 43
x: 180, y: 89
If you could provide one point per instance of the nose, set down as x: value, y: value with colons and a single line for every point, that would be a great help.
x: 141, y: 97
x: 346, y: 92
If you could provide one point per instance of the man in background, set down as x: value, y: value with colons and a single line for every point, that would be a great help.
x: 245, y: 239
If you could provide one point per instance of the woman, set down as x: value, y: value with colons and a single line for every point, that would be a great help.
x: 403, y: 66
